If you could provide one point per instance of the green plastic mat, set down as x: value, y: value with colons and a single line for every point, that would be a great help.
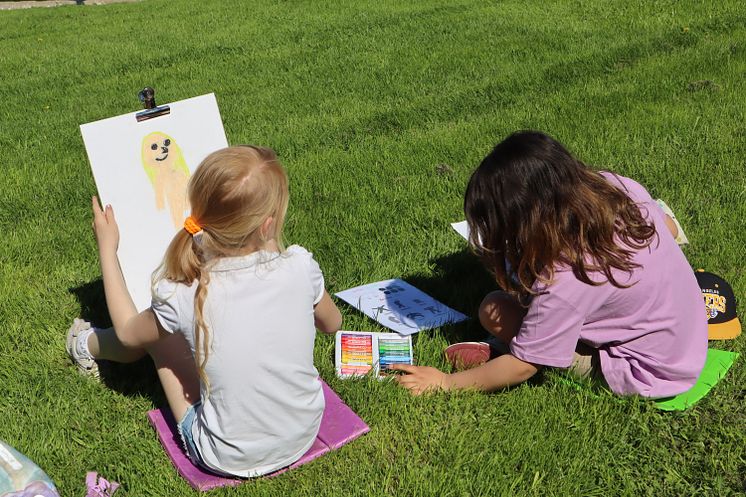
x: 717, y: 364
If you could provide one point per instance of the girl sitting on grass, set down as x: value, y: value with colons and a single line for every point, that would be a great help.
x: 593, y: 279
x: 231, y: 326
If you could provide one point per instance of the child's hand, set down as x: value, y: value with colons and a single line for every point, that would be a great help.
x: 421, y: 379
x: 105, y: 227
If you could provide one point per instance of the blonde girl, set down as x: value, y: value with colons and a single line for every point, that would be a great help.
x: 232, y: 322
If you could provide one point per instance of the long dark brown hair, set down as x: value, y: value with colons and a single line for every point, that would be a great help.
x: 531, y: 206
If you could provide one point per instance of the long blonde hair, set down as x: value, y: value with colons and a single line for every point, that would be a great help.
x: 232, y: 193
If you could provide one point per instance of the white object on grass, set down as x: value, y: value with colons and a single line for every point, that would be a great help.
x: 681, y: 238
x: 462, y: 228
x: 399, y: 306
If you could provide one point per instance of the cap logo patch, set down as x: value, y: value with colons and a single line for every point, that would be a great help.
x: 714, y: 304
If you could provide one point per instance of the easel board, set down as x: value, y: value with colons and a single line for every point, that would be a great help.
x: 141, y: 169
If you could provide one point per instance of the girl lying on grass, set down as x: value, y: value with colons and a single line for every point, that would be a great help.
x: 593, y: 279
x: 231, y: 326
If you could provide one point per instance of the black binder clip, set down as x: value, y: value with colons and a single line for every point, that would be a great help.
x: 147, y: 97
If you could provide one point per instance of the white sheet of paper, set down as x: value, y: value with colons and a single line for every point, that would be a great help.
x: 399, y: 306
x: 462, y: 228
x: 141, y: 169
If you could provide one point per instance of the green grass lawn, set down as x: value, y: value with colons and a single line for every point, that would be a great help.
x: 363, y: 101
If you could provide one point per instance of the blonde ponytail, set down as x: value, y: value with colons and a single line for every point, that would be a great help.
x: 201, y: 331
x: 232, y: 193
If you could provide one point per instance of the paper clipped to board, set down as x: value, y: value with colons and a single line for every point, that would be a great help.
x: 142, y: 170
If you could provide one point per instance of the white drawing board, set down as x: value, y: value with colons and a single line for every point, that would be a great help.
x: 142, y: 169
x: 399, y: 306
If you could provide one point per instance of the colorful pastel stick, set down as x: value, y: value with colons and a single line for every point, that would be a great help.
x: 360, y: 353
x: 355, y: 370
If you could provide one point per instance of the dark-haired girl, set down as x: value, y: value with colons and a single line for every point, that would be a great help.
x: 591, y: 275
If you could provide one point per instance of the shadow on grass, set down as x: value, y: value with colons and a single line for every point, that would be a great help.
x: 460, y: 281
x: 137, y: 379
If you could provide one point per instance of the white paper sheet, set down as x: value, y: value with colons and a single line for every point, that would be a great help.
x: 399, y: 306
x: 141, y: 169
x: 462, y: 228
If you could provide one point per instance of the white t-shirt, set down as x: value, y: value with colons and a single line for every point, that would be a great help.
x: 265, y: 403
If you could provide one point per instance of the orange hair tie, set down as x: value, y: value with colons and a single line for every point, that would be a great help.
x: 192, y: 226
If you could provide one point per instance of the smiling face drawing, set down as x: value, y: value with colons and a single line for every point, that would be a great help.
x: 167, y: 171
x: 164, y: 149
x: 156, y: 150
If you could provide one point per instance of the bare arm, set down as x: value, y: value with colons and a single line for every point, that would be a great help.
x: 501, y: 372
x: 133, y: 329
x: 326, y: 316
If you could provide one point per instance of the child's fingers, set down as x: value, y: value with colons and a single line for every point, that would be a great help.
x: 106, y: 214
x: 406, y: 368
x: 110, y: 214
x: 414, y: 386
x: 96, y: 205
x: 407, y: 380
x: 99, y: 217
x: 404, y: 381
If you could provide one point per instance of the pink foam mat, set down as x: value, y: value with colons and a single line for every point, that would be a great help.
x: 339, y: 425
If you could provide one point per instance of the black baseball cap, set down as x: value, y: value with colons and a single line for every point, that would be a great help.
x: 720, y: 302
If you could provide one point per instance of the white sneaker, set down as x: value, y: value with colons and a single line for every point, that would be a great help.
x: 86, y: 364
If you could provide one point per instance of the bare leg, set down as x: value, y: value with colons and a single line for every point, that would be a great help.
x: 583, y: 362
x: 172, y: 357
x: 586, y: 365
x: 501, y: 315
x: 671, y: 225
x: 177, y: 371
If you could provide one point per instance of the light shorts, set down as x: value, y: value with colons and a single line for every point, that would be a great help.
x: 187, y: 440
x: 586, y: 366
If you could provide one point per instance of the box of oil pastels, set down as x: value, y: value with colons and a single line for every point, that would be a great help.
x: 358, y: 353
